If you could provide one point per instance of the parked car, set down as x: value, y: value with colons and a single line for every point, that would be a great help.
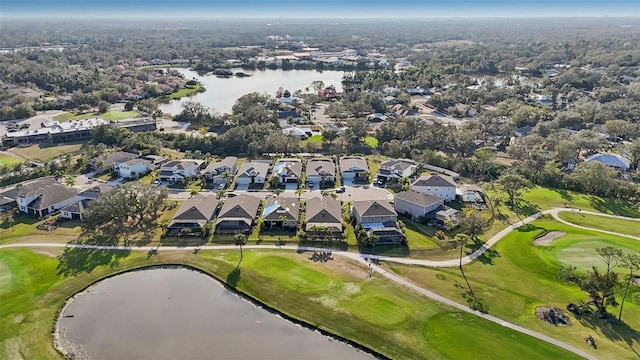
x: 156, y: 183
x: 341, y: 189
x: 222, y: 186
x: 310, y: 184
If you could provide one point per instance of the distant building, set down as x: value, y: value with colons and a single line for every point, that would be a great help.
x: 616, y: 161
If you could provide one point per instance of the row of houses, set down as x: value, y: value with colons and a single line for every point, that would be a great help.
x: 323, y: 216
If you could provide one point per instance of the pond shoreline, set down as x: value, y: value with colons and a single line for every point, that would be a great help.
x: 62, y: 350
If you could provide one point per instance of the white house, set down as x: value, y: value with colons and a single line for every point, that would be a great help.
x: 354, y: 168
x: 213, y: 172
x: 396, y: 169
x: 42, y: 197
x: 416, y: 203
x: 178, y: 171
x: 133, y: 168
x: 252, y: 173
x: 439, y: 185
x: 319, y: 169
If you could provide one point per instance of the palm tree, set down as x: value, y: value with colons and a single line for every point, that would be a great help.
x: 227, y: 176
x: 277, y: 191
x: 240, y: 239
x: 461, y: 239
x: 299, y: 192
x: 282, y: 219
x: 194, y: 190
x: 69, y: 180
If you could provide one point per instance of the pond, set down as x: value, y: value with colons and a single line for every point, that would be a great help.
x: 221, y: 93
x: 176, y: 313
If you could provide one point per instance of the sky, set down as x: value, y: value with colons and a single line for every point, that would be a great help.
x: 319, y: 8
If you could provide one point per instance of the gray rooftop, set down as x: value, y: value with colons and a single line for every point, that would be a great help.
x: 242, y: 206
x: 321, y: 166
x: 253, y: 169
x: 353, y: 162
x: 435, y: 180
x: 48, y: 191
x: 374, y: 208
x: 419, y: 198
x: 227, y: 162
x: 198, y: 209
x: 323, y: 210
x: 398, y: 164
x: 288, y: 207
x: 116, y: 158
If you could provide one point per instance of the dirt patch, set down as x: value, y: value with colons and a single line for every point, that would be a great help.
x: 50, y: 252
x: 547, y: 238
x: 553, y: 315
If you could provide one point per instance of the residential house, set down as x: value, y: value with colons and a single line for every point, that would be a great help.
x: 290, y: 113
x: 396, y: 169
x: 354, y: 169
x: 7, y: 203
x: 215, y: 170
x: 373, y: 211
x: 238, y: 214
x: 281, y: 212
x: 380, y: 219
x: 416, y: 204
x: 616, y: 161
x: 133, y: 168
x: 328, y: 93
x: 252, y: 173
x: 179, y: 170
x: 321, y: 170
x: 154, y: 161
x: 113, y: 160
x: 390, y: 100
x: 289, y: 171
x: 323, y: 213
x: 300, y: 132
x: 75, y: 211
x: 436, y: 184
x: 194, y: 213
x: 43, y: 197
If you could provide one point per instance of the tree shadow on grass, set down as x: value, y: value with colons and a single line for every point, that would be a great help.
x: 613, y: 329
x: 564, y: 194
x: 524, y: 208
x: 613, y: 206
x: 487, y: 256
x: 386, y: 250
x: 233, y: 277
x: 74, y: 260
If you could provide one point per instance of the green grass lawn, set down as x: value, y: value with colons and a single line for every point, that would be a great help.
x: 313, y: 139
x: 6, y: 160
x: 111, y: 115
x: 337, y: 296
x: 516, y: 277
x: 371, y: 141
x: 44, y: 152
x: 186, y: 91
x: 621, y: 226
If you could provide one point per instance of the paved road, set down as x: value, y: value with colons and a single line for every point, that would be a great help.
x: 364, y: 258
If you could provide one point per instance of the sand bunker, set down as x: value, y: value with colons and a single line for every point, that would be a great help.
x: 547, y: 238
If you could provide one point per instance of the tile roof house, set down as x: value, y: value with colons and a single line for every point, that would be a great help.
x: 439, y: 185
x: 213, y: 172
x: 281, y: 212
x: 288, y: 170
x: 416, y: 204
x: 373, y: 211
x: 324, y: 212
x: 178, y: 171
x: 113, y: 159
x: 397, y: 168
x: 380, y: 219
x: 44, y: 196
x: 252, y: 173
x: 133, y: 168
x: 319, y: 169
x: 616, y: 161
x: 354, y: 168
x: 237, y: 214
x: 76, y: 210
x: 194, y: 213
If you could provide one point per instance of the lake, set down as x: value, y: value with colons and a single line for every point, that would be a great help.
x: 176, y: 313
x: 221, y: 93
